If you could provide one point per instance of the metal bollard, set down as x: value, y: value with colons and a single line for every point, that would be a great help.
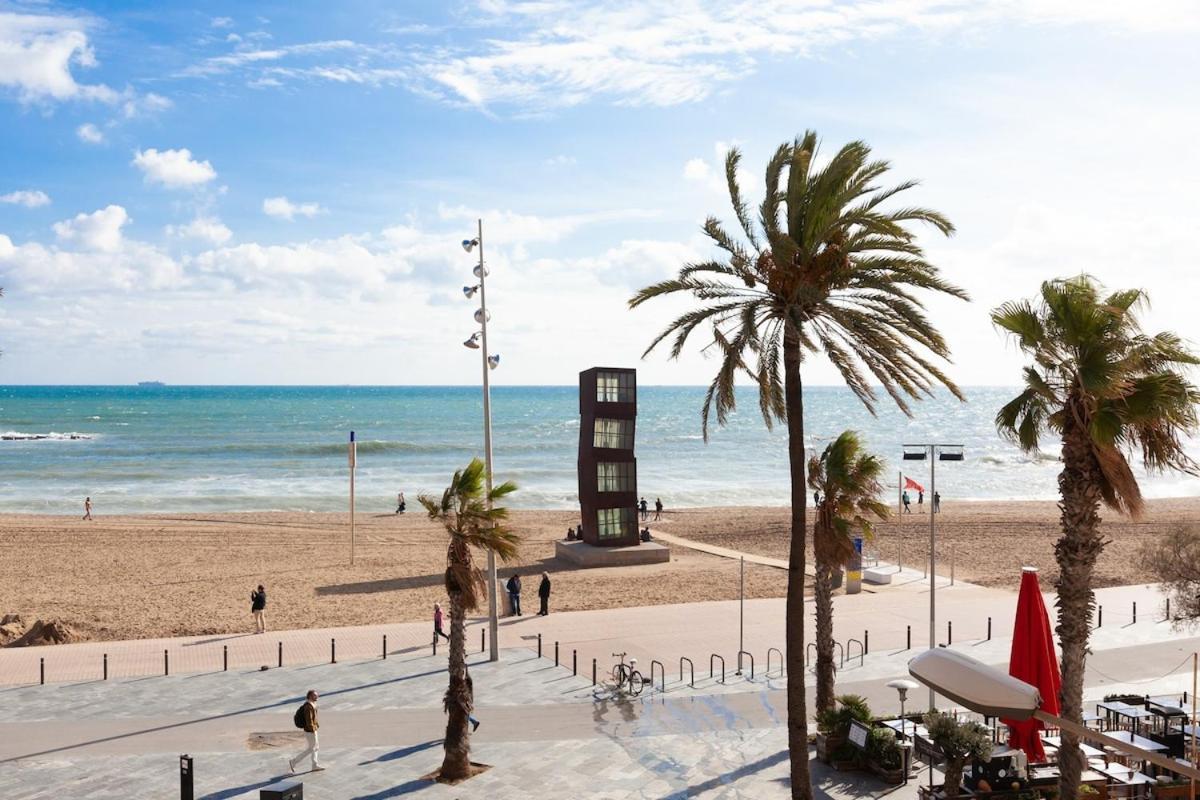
x: 333, y: 651
x: 186, y: 791
x: 1168, y: 609
x: 908, y: 638
x: 1135, y: 612
x: 225, y: 658
x: 989, y: 629
x: 574, y: 662
x: 106, y: 666
x: 539, y: 645
x: 556, y: 654
x: 281, y: 654
x: 949, y: 633
x: 42, y: 670
x: 866, y: 642
x: 166, y: 663
x: 483, y: 640
x: 1099, y: 616
x: 385, y: 647
x: 593, y: 672
x: 435, y: 644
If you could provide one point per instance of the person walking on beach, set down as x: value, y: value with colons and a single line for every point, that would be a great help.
x: 816, y: 499
x: 514, y: 594
x: 921, y: 500
x: 306, y: 720
x: 87, y: 508
x: 937, y: 503
x: 437, y: 624
x: 258, y: 607
x: 544, y: 595
x: 658, y: 509
x: 904, y: 498
x: 644, y: 507
x: 400, y: 504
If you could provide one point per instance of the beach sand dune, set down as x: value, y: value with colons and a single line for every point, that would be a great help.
x: 129, y: 577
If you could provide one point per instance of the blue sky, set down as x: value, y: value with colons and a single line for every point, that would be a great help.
x: 275, y: 192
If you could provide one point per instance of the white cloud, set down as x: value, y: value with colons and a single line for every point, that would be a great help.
x: 282, y: 208
x: 100, y: 230
x: 560, y: 161
x: 174, y: 169
x: 30, y: 198
x: 87, y: 132
x: 221, y: 22
x: 696, y: 169
x: 144, y: 105
x: 37, y: 54
x: 209, y: 229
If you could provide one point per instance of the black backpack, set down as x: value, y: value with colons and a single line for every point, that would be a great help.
x: 298, y: 718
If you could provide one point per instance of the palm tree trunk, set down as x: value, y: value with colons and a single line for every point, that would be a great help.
x: 823, y: 599
x: 1076, y: 553
x: 797, y: 703
x: 456, y: 765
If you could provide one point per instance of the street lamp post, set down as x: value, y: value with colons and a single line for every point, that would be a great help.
x: 934, y: 452
x: 479, y: 341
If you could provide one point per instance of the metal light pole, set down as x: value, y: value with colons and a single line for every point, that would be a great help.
x: 353, y: 464
x: 933, y: 452
x: 481, y: 316
x: 741, y: 614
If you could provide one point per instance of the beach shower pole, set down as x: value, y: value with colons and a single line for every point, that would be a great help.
x: 741, y: 614
x: 353, y: 464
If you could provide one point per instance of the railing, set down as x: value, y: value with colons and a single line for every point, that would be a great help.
x: 712, y: 671
x: 747, y: 652
x: 781, y: 668
x: 691, y: 669
x: 662, y: 675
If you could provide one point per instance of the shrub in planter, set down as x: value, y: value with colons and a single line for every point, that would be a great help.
x: 885, y: 756
x: 959, y: 742
x: 834, y: 726
x: 846, y: 757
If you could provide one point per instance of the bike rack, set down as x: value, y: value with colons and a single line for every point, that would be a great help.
x: 808, y: 653
x: 774, y: 650
x: 711, y: 671
x: 662, y: 675
x: 747, y: 652
x: 691, y: 669
x: 862, y: 648
x: 812, y: 646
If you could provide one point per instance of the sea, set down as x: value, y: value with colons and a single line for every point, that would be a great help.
x: 170, y: 449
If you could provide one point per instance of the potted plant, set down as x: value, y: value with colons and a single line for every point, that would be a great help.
x: 833, y: 726
x: 884, y: 756
x: 959, y: 742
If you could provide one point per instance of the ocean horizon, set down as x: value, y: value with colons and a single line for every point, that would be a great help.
x: 171, y: 449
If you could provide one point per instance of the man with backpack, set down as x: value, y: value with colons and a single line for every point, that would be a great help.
x: 306, y: 719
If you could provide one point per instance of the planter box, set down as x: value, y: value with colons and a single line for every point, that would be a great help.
x: 892, y: 777
x: 1181, y: 790
x: 846, y: 766
x: 827, y: 745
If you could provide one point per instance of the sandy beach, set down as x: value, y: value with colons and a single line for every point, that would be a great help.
x: 126, y: 577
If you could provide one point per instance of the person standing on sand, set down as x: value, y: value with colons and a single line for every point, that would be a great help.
x: 921, y: 500
x: 644, y: 507
x: 306, y: 719
x: 258, y: 607
x: 514, y: 594
x: 437, y: 624
x: 544, y: 595
x: 87, y: 508
x: 400, y: 504
x: 658, y: 506
x: 937, y: 503
x: 904, y: 498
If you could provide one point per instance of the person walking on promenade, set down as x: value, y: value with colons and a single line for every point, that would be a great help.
x: 816, y: 499
x: 400, y: 504
x: 437, y: 624
x: 544, y: 595
x: 87, y: 508
x: 644, y: 507
x: 937, y: 503
x: 514, y: 594
x: 904, y: 498
x: 921, y: 500
x: 658, y: 507
x: 306, y: 719
x: 258, y: 608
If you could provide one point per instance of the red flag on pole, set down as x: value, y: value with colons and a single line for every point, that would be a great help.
x: 909, y: 483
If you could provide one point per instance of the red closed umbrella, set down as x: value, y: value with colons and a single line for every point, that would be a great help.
x: 1034, y: 661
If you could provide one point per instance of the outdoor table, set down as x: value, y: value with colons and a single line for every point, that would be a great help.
x: 1137, y: 741
x: 906, y: 728
x: 1087, y: 750
x: 1128, y: 777
x: 1117, y: 709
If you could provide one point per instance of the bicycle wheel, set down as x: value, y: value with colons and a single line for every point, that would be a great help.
x: 620, y: 674
x: 635, y: 682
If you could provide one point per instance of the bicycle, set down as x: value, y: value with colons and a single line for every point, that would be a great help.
x: 627, y: 675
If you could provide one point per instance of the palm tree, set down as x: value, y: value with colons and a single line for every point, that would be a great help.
x: 848, y: 480
x: 827, y: 269
x: 470, y: 515
x: 1103, y: 388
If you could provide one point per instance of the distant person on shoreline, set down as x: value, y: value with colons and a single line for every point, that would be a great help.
x: 937, y: 503
x: 921, y: 500
x: 544, y: 595
x: 904, y: 499
x: 644, y: 507
x: 306, y: 720
x: 658, y: 507
x: 816, y: 499
x: 514, y: 594
x: 437, y: 624
x: 258, y: 607
x: 400, y: 504
x: 87, y: 508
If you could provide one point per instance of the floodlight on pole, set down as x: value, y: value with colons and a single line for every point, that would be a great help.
x: 988, y: 691
x: 482, y: 314
x: 473, y: 342
x: 493, y: 360
x: 470, y: 291
x: 469, y: 244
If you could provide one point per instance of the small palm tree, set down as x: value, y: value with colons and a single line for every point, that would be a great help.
x: 828, y: 269
x: 1103, y: 388
x: 847, y: 478
x: 470, y: 515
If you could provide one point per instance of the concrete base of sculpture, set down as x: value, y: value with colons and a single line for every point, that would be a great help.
x: 585, y: 555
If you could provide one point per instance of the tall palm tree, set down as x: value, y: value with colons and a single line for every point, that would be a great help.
x: 848, y: 479
x: 474, y: 521
x: 827, y: 269
x: 1103, y: 388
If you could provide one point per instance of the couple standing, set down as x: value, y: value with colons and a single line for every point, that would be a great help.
x: 514, y: 594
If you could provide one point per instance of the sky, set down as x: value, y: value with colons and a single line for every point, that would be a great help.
x: 276, y: 192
